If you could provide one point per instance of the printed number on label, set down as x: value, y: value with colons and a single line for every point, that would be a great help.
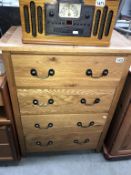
x: 100, y: 3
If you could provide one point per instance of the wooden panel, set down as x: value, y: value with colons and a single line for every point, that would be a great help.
x: 124, y: 137
x: 65, y: 101
x: 61, y: 141
x: 50, y: 123
x: 3, y: 135
x: 70, y: 71
x: 11, y: 41
x: 5, y: 152
x: 14, y: 102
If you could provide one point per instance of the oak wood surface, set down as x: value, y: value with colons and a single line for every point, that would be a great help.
x: 11, y: 41
x: 62, y: 141
x: 63, y: 121
x: 66, y: 101
x: 69, y: 71
x: 115, y: 101
x: 13, y: 96
x: 72, y: 57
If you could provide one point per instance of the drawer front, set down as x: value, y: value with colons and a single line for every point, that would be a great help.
x: 61, y: 141
x: 44, y: 101
x: 51, y: 123
x: 66, y: 71
x: 3, y: 135
x: 5, y: 152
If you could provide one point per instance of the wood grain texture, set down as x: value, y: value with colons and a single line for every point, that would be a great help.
x: 13, y: 96
x: 69, y: 71
x: 62, y: 141
x: 64, y: 122
x: 65, y: 101
x: 66, y: 40
x: 11, y: 41
x: 115, y: 101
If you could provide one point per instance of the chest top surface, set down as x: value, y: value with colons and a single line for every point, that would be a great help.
x: 12, y: 41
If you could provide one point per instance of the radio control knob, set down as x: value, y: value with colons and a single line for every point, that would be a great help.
x: 51, y: 13
x: 87, y: 16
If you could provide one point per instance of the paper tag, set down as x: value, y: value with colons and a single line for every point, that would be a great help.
x: 75, y: 32
x: 100, y: 3
x: 120, y: 60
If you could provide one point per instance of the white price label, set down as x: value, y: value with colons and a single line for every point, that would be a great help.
x: 100, y: 3
x: 120, y: 60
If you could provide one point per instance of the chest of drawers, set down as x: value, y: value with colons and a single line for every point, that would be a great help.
x: 63, y: 97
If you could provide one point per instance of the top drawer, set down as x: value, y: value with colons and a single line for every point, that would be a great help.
x: 66, y: 71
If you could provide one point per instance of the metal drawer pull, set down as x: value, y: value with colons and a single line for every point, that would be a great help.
x: 34, y: 73
x: 80, y: 143
x: 92, y: 123
x: 36, y: 102
x: 89, y: 72
x: 83, y: 101
x: 37, y: 125
x: 38, y: 143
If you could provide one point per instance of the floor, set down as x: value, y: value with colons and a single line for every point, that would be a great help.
x: 68, y: 164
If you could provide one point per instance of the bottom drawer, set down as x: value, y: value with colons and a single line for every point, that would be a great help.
x: 61, y: 141
x: 5, y: 152
x: 3, y: 135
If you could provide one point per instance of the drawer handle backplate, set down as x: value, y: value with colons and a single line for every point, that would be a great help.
x: 79, y: 124
x: 33, y: 72
x: 39, y: 143
x: 84, y: 101
x: 37, y: 125
x: 36, y: 102
x: 89, y: 72
x: 81, y: 143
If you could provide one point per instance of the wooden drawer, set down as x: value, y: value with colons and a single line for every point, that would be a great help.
x: 50, y: 123
x: 3, y: 135
x: 62, y: 141
x: 54, y: 101
x: 5, y: 152
x: 66, y: 71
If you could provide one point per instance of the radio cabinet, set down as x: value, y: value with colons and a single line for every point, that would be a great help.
x: 69, y: 22
x: 63, y: 97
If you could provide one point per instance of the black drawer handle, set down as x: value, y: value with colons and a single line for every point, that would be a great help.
x: 36, y: 102
x: 89, y: 72
x: 79, y: 124
x: 39, y: 143
x: 34, y: 73
x: 81, y: 143
x: 84, y: 101
x: 37, y: 125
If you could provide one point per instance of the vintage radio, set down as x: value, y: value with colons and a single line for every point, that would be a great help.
x: 69, y: 22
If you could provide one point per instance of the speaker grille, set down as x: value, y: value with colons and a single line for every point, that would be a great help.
x: 103, y: 21
x: 26, y: 18
x: 108, y: 23
x: 40, y: 19
x: 33, y: 18
x: 97, y: 20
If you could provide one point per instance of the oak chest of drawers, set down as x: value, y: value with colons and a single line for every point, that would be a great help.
x: 63, y: 97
